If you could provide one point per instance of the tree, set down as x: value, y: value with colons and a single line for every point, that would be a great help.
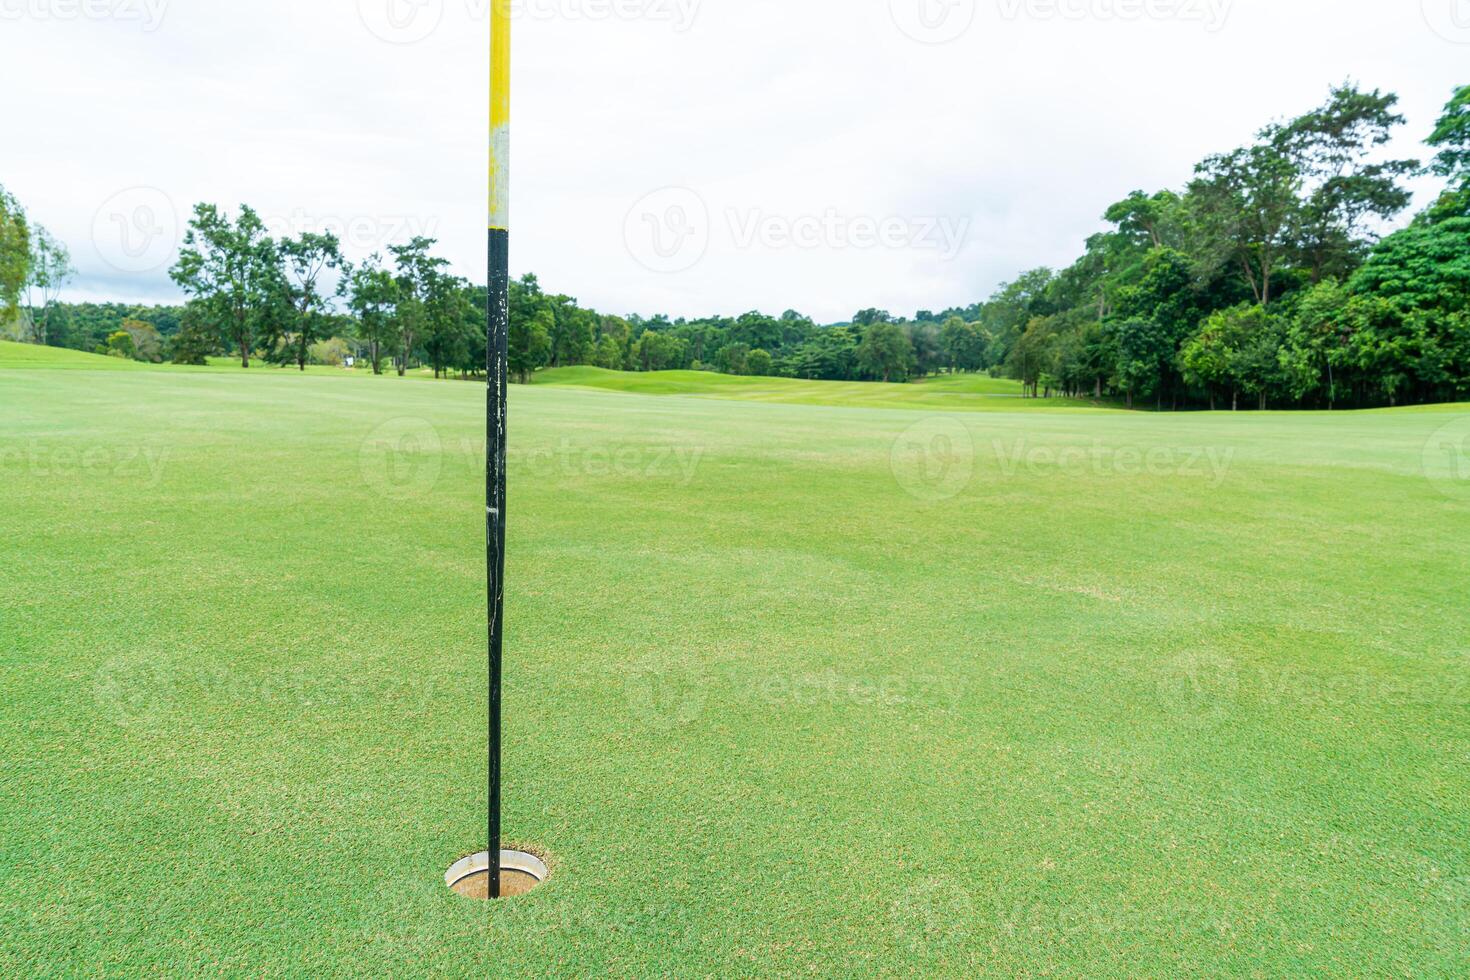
x: 657, y: 351
x: 886, y: 352
x: 50, y: 270
x: 307, y: 259
x: 1417, y: 281
x: 1256, y: 365
x: 928, y: 348
x: 147, y: 345
x: 1247, y: 203
x: 868, y: 317
x: 1145, y: 221
x: 1142, y: 345
x: 759, y: 364
x: 573, y: 332
x: 1224, y: 353
x: 231, y: 269
x: 731, y: 358
x: 15, y: 254
x: 609, y: 354
x: 1010, y: 310
x: 1451, y: 137
x: 1032, y: 356
x: 1330, y: 148
x: 416, y: 269
x: 449, y: 322
x: 195, y: 340
x: 332, y: 352
x: 530, y: 343
x: 119, y: 344
x: 372, y: 294
x: 963, y: 344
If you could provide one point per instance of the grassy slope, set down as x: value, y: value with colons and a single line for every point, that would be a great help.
x: 769, y: 715
x: 967, y: 392
x: 15, y: 356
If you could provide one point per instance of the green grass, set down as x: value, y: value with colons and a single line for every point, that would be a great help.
x: 14, y: 356
x: 963, y: 392
x: 793, y: 689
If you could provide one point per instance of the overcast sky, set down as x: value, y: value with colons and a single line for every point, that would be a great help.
x: 681, y: 156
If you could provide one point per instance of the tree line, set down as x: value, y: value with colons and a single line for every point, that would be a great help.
x: 250, y: 292
x: 1261, y: 282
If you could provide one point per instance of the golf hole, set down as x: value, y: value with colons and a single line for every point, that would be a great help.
x: 519, y: 873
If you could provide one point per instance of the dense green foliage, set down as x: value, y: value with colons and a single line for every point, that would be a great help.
x: 1262, y: 279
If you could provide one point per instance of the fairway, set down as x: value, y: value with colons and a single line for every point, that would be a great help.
x: 799, y: 684
x: 962, y: 392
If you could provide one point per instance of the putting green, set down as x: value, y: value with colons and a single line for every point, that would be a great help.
x: 792, y: 689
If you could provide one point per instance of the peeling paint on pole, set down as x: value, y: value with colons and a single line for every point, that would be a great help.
x: 497, y: 337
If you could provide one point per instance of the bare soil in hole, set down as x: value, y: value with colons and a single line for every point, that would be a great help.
x: 512, y: 883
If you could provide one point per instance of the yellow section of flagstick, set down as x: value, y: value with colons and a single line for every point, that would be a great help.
x: 499, y: 114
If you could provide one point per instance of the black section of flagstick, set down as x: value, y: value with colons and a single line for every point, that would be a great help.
x: 497, y: 339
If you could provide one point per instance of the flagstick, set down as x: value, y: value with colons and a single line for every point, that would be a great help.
x: 497, y: 341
